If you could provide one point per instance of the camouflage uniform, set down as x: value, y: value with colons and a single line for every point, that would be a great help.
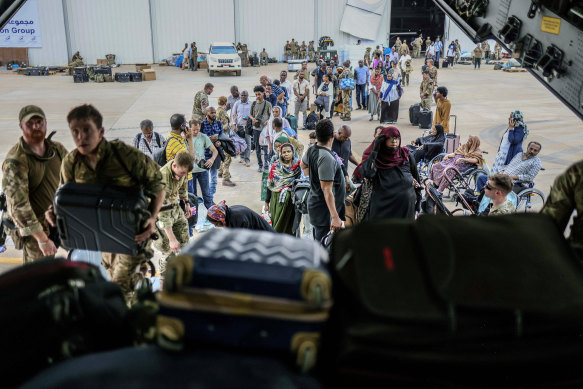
x: 427, y: 43
x: 174, y: 217
x: 486, y: 50
x: 295, y: 49
x: 346, y: 94
x: 417, y: 47
x: 379, y: 52
x: 201, y: 102
x: 498, y: 51
x: 77, y: 60
x: 30, y: 183
x: 407, y: 71
x: 567, y: 195
x: 404, y: 49
x: 288, y: 51
x: 303, y: 51
x: 433, y: 76
x: 311, y: 51
x: 223, y: 117
x: 398, y: 45
x: 129, y: 167
x: 366, y: 59
x: 426, y: 89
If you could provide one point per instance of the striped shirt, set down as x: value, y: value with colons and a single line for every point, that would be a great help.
x: 526, y: 170
x: 175, y: 145
x: 153, y: 144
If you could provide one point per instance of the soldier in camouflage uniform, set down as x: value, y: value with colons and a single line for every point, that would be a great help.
x: 366, y: 59
x: 303, y: 50
x: 417, y: 47
x: 398, y: 44
x: 426, y: 91
x: 295, y: 49
x: 96, y: 161
x: 566, y: 196
x: 201, y: 102
x: 427, y: 43
x: 406, y: 72
x: 377, y: 51
x: 194, y: 56
x: 486, y: 50
x: 345, y: 94
x: 288, y: 50
x: 498, y: 51
x: 171, y: 219
x: 404, y: 49
x: 223, y: 117
x: 77, y: 60
x: 432, y: 72
x: 30, y: 179
x: 311, y: 52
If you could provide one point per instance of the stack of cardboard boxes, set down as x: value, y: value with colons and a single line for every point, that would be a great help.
x: 148, y: 74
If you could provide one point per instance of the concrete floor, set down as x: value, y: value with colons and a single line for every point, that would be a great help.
x: 481, y: 99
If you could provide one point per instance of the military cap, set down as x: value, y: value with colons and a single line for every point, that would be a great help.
x: 30, y: 111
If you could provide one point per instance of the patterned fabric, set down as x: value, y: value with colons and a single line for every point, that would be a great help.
x: 218, y: 211
x: 518, y: 118
x: 438, y: 170
x: 209, y: 130
x: 281, y: 175
x: 175, y: 189
x: 201, y: 102
x: 526, y: 170
x: 223, y: 117
x: 471, y: 149
x: 503, y: 209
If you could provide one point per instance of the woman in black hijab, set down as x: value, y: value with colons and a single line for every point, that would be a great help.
x: 428, y: 146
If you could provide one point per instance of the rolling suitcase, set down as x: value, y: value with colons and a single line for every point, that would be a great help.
x: 293, y: 122
x: 136, y: 76
x: 122, y: 77
x: 52, y: 310
x: 406, y: 310
x: 445, y: 63
x: 425, y: 119
x: 452, y: 141
x: 98, y: 218
x: 247, y: 289
x: 80, y: 77
x: 414, y: 114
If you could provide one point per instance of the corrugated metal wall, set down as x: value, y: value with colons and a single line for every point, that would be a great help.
x: 52, y: 23
x: 268, y: 24
x: 175, y: 22
x: 110, y: 26
x: 125, y: 28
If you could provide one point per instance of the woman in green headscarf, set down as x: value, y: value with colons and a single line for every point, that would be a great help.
x: 282, y: 174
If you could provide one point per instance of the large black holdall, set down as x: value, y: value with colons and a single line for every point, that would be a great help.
x: 122, y: 77
x: 414, y: 114
x: 453, y: 299
x: 136, y: 76
x: 425, y: 119
x: 249, y: 290
x: 100, y: 218
x: 52, y: 310
x: 80, y: 78
x: 79, y: 70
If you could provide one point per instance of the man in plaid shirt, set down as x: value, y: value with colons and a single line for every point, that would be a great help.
x: 148, y: 141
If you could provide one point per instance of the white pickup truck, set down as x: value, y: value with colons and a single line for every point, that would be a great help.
x: 223, y: 57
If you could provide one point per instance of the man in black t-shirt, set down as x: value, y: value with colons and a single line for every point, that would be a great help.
x: 327, y: 185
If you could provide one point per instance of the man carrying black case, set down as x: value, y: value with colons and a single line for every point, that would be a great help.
x: 98, y: 162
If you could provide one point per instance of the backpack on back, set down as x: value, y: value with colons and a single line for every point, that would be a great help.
x: 159, y: 156
x: 311, y: 121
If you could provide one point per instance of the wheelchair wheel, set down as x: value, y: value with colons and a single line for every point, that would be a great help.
x: 436, y: 159
x: 530, y: 200
x: 472, y: 178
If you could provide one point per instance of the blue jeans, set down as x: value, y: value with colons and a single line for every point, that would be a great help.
x: 214, y: 177
x: 481, y: 182
x: 192, y: 64
x: 203, y: 182
x: 437, y: 55
x: 361, y: 95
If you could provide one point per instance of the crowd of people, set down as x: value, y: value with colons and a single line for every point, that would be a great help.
x: 198, y: 151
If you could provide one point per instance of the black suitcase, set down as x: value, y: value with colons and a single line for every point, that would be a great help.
x: 445, y: 63
x: 37, y: 72
x: 80, y: 77
x: 53, y: 310
x: 122, y: 77
x: 425, y: 119
x: 414, y: 114
x: 136, y: 76
x: 80, y: 70
x: 426, y: 305
x: 97, y: 218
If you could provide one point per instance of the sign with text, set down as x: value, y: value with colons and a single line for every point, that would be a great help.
x: 24, y: 28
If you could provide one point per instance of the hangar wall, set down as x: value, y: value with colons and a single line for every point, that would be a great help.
x: 146, y: 31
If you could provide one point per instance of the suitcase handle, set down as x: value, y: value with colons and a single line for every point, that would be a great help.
x: 62, y: 228
x: 454, y: 123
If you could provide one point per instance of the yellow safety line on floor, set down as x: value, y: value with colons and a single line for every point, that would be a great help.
x: 10, y: 261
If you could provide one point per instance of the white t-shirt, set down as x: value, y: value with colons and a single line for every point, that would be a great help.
x: 403, y: 60
x: 288, y: 87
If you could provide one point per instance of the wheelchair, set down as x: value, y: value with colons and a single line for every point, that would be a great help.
x: 530, y: 200
x: 466, y: 179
